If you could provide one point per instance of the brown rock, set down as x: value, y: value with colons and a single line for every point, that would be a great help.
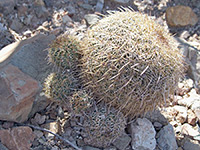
x: 180, y: 16
x: 191, y: 117
x: 19, y: 138
x: 16, y: 94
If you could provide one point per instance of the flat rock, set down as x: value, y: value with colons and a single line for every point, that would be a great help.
x: 2, y: 147
x: 143, y: 135
x: 17, y: 92
x: 180, y: 16
x: 122, y: 142
x: 166, y: 138
x: 191, y: 145
x: 91, y: 18
x: 187, y: 129
x: 18, y: 138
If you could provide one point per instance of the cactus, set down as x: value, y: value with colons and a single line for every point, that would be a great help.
x: 80, y: 101
x: 130, y: 62
x: 59, y: 86
x: 63, y: 52
x: 103, y: 125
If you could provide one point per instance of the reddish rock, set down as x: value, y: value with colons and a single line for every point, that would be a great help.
x: 17, y: 92
x: 191, y: 117
x: 180, y: 16
x: 18, y: 138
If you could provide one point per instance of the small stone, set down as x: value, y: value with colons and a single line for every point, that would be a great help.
x: 122, y: 142
x: 7, y: 125
x: 86, y: 6
x: 99, y: 5
x: 38, y: 119
x: 182, y: 113
x: 156, y: 116
x: 2, y: 147
x: 110, y: 148
x: 188, y: 130
x: 41, y: 12
x: 16, y: 25
x: 157, y: 125
x: 90, y: 148
x: 180, y: 16
x: 179, y: 148
x: 53, y: 127
x: 38, y: 133
x: 39, y: 3
x: 19, y: 138
x: 143, y: 134
x: 71, y: 10
x: 195, y: 105
x: 191, y: 119
x: 191, y: 145
x: 66, y: 19
x: 166, y: 138
x: 121, y: 1
x: 197, y: 113
x: 91, y: 18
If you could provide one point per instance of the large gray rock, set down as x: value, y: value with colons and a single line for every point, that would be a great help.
x: 166, y: 138
x: 143, y: 135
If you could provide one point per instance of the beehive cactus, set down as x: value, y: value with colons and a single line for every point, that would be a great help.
x: 103, y: 125
x: 130, y: 62
x: 59, y: 86
x: 64, y: 52
x: 80, y: 101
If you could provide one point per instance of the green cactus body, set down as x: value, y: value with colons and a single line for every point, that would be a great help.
x: 59, y: 86
x: 130, y: 62
x: 103, y: 126
x: 63, y: 52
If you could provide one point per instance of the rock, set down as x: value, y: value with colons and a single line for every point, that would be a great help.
x: 86, y: 6
x: 180, y: 16
x: 38, y: 119
x: 66, y: 19
x: 188, y: 130
x: 195, y: 105
x: 197, y: 113
x: 71, y: 10
x: 16, y: 25
x: 32, y: 51
x: 110, y: 148
x: 7, y: 5
x: 91, y: 18
x: 18, y: 138
x: 122, y: 142
x: 121, y: 1
x: 7, y: 125
x: 191, y: 145
x: 166, y: 138
x: 17, y: 91
x: 156, y: 116
x: 191, y: 119
x: 2, y: 147
x: 53, y: 127
x: 90, y: 148
x: 99, y: 5
x: 157, y: 125
x: 38, y: 133
x: 181, y: 113
x: 39, y: 3
x: 143, y: 135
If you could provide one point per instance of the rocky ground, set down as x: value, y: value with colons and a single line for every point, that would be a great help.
x: 33, y: 25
